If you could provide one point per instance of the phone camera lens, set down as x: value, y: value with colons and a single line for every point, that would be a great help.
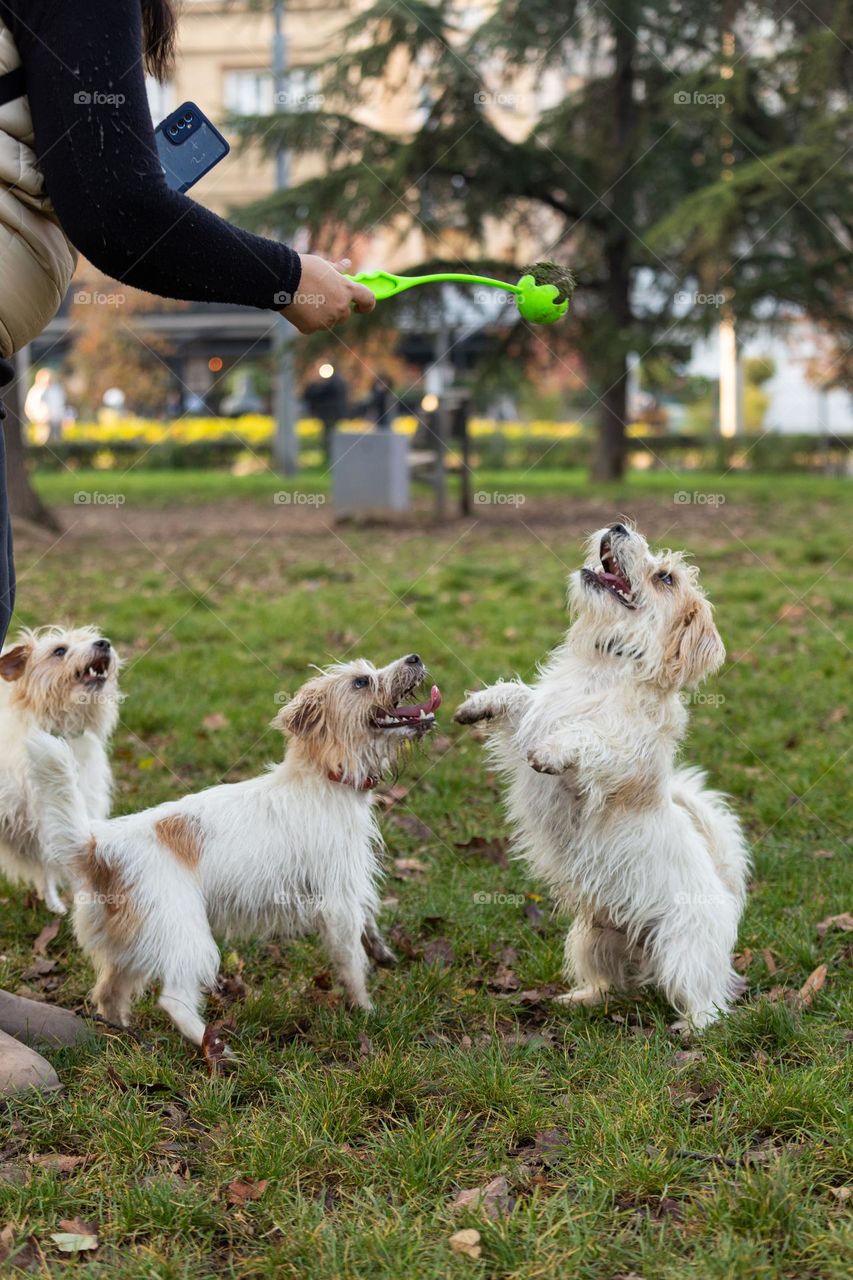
x: 188, y: 117
x: 173, y: 130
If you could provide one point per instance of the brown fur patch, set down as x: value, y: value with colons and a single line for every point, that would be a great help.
x: 110, y: 892
x: 182, y: 836
x: 636, y: 794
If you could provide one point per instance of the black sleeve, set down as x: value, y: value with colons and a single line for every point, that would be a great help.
x: 95, y: 143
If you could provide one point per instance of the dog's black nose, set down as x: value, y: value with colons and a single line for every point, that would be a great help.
x: 414, y: 660
x: 619, y: 528
x: 102, y: 644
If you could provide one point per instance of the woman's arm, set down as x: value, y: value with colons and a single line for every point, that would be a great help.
x: 95, y: 143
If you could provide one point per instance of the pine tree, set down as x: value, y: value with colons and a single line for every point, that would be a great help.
x: 667, y: 181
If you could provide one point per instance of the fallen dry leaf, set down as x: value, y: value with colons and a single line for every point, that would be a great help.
x: 39, y: 968
x: 409, y: 868
x: 842, y: 1194
x: 823, y: 853
x: 466, y: 1242
x: 439, y: 951
x: 56, y: 1162
x: 215, y: 722
x: 493, y: 851
x: 412, y: 826
x: 813, y: 984
x: 213, y: 1046
x: 769, y: 960
x: 743, y: 960
x: 241, y: 1190
x: 844, y: 922
x: 46, y: 936
x: 493, y: 1198
x: 504, y: 979
x: 73, y: 1241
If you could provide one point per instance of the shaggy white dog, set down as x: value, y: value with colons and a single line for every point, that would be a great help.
x: 650, y: 863
x: 293, y: 851
x: 64, y: 682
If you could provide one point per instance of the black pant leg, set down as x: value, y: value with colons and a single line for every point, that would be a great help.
x: 7, y: 563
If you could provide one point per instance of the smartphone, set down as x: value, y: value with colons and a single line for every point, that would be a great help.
x: 188, y: 145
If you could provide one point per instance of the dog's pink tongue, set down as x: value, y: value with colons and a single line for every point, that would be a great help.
x: 616, y: 581
x: 413, y: 712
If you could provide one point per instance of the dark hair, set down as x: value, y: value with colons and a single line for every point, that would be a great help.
x: 159, y: 30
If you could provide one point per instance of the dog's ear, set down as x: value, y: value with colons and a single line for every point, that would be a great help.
x: 303, y: 715
x: 14, y: 663
x: 695, y: 650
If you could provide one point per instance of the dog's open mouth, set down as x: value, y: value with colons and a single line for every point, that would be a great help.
x: 415, y: 715
x: 611, y: 576
x: 96, y: 673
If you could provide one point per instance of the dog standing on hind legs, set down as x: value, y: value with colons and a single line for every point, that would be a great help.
x: 291, y: 852
x: 63, y: 681
x: 650, y: 863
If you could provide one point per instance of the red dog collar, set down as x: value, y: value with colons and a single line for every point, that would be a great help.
x: 367, y: 785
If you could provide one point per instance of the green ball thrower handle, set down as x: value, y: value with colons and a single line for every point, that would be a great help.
x: 537, y: 303
x: 382, y: 284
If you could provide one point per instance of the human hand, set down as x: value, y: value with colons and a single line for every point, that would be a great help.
x: 325, y: 297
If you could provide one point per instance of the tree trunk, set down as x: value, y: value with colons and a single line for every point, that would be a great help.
x: 24, y: 502
x: 612, y: 367
x: 609, y: 459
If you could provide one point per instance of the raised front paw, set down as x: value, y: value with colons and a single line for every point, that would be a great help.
x: 544, y: 760
x: 476, y: 707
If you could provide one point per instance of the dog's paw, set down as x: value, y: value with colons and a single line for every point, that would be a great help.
x: 472, y: 711
x: 589, y: 997
x: 545, y: 762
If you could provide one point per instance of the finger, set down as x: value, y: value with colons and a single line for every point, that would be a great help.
x: 362, y: 299
x: 343, y: 264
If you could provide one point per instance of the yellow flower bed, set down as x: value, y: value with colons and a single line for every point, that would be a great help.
x: 257, y: 429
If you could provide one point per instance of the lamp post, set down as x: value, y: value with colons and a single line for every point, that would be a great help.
x: 285, y: 445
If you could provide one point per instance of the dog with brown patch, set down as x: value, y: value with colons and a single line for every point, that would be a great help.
x: 651, y: 864
x: 63, y: 681
x: 294, y: 851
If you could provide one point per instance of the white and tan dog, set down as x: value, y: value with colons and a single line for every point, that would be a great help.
x: 291, y: 852
x: 64, y: 682
x: 650, y: 863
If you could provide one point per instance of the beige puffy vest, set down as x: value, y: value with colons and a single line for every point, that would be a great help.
x: 36, y: 260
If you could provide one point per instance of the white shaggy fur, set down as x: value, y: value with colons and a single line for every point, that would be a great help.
x: 650, y: 863
x: 63, y: 682
x: 290, y: 852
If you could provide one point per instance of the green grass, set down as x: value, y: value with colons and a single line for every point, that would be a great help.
x: 723, y: 1164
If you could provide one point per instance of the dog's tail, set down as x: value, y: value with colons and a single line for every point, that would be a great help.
x: 64, y: 825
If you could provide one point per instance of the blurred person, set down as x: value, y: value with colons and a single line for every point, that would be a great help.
x: 381, y: 402
x: 45, y: 405
x: 79, y: 171
x: 327, y: 398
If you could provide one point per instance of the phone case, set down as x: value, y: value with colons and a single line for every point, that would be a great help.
x: 188, y: 146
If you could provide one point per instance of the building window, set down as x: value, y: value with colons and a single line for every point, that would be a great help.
x: 248, y: 93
